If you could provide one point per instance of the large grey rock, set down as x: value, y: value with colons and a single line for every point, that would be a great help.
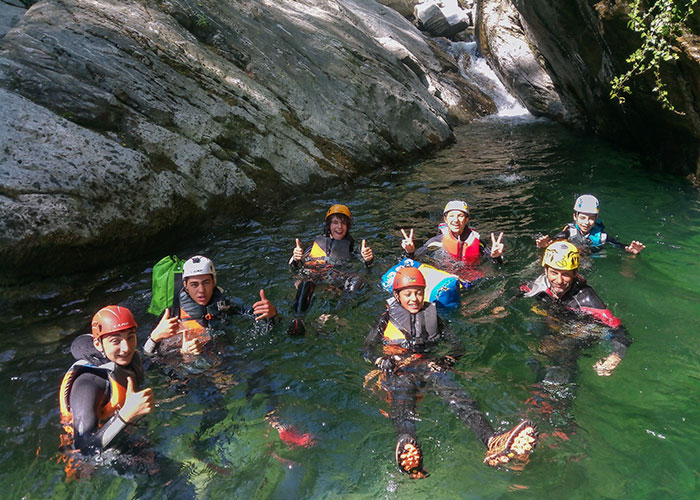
x: 504, y: 41
x: 128, y: 119
x: 442, y: 17
x: 10, y: 15
x: 403, y: 7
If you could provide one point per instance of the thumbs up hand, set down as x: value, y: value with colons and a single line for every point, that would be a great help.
x: 298, y: 253
x: 366, y: 252
x: 263, y: 308
x: 136, y: 403
x: 166, y: 328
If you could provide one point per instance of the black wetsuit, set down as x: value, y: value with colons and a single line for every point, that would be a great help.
x: 424, y: 334
x: 581, y: 298
x: 90, y: 391
x: 593, y: 241
x: 218, y: 308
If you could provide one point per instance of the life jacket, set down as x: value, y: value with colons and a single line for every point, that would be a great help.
x: 595, y: 238
x: 580, y: 297
x: 116, y: 379
x: 465, y: 250
x: 326, y: 250
x: 195, y: 318
x: 410, y: 332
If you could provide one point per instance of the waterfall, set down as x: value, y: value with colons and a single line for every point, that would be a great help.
x: 475, y: 69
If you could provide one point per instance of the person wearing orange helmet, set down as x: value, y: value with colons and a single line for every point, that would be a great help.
x: 321, y: 261
x: 414, y: 350
x: 99, y: 395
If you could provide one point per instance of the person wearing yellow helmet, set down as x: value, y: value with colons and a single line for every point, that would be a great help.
x: 324, y: 259
x: 561, y: 285
x: 456, y: 238
x: 587, y: 230
x: 414, y: 350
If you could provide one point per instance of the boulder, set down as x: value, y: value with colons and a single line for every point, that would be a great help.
x: 123, y: 123
x: 403, y: 7
x: 442, y: 18
x: 11, y: 11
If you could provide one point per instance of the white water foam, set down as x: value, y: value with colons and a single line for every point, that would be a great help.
x: 475, y: 69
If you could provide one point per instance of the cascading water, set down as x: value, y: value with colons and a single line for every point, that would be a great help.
x: 475, y: 69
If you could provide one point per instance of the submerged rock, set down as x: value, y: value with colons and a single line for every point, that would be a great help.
x: 123, y: 121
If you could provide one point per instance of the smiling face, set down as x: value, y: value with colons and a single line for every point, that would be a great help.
x: 200, y: 288
x: 118, y: 347
x: 338, y: 226
x: 585, y: 221
x: 560, y: 281
x: 456, y: 221
x: 411, y: 298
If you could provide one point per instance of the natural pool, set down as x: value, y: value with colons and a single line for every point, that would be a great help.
x: 632, y: 435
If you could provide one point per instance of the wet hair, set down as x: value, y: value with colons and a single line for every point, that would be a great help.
x: 327, y: 223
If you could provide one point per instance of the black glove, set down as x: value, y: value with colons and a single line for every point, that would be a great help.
x: 385, y: 364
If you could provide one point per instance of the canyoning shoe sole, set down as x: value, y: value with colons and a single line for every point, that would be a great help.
x: 515, y: 444
x: 409, y: 457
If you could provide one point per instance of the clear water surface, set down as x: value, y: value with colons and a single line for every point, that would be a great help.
x: 632, y: 435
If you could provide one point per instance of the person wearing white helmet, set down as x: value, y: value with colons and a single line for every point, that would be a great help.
x: 199, y: 302
x: 456, y: 238
x: 587, y: 230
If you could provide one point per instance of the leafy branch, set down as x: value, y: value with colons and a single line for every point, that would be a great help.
x: 657, y: 26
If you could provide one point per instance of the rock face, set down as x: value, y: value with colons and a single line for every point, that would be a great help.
x: 559, y: 59
x: 442, y: 18
x: 124, y: 120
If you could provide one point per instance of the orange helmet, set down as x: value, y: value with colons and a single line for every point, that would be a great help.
x: 112, y: 319
x: 339, y: 209
x: 408, y: 277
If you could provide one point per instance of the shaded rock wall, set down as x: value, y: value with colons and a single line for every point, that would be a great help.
x: 124, y: 120
x: 581, y: 45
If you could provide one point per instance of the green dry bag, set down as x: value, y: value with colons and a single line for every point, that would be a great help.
x: 167, y: 273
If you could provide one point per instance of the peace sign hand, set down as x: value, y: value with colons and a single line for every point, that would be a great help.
x: 496, y: 246
x: 407, y: 242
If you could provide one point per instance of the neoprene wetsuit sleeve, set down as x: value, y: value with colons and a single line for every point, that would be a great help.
x: 371, y: 349
x: 616, y: 243
x: 455, y: 346
x: 88, y: 394
x: 620, y: 341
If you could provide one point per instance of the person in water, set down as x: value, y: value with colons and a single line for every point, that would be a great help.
x: 586, y: 231
x: 456, y: 239
x: 99, y: 395
x: 199, y: 303
x: 414, y: 350
x: 321, y: 261
x: 562, y: 288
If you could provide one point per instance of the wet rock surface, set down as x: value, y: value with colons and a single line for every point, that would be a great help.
x: 559, y: 59
x: 125, y: 120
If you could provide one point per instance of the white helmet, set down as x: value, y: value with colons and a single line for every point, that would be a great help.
x: 587, y: 203
x: 197, y: 265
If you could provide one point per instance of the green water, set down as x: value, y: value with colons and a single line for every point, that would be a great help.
x: 632, y: 435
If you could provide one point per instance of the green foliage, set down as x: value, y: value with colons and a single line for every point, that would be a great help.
x: 658, y: 26
x: 202, y: 21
